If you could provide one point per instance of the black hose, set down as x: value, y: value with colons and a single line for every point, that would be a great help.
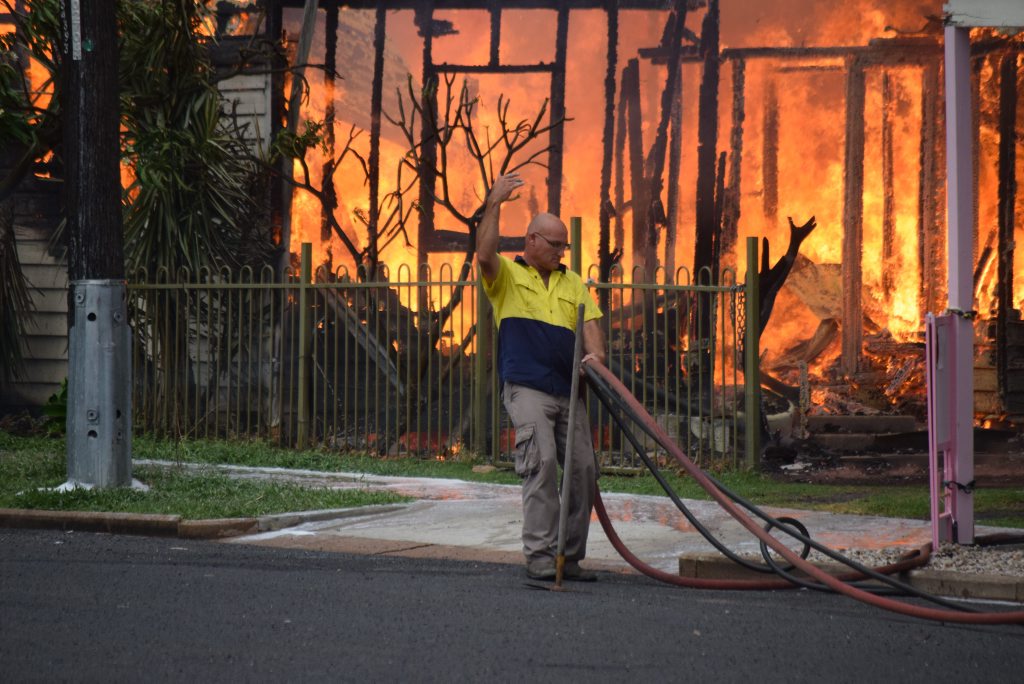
x: 611, y: 401
x: 613, y: 410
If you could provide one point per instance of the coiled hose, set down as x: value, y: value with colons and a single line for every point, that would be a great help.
x: 622, y: 404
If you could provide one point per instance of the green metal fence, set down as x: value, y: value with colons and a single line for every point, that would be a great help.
x: 393, y: 365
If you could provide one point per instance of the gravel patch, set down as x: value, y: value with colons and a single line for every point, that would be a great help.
x: 989, y: 560
x: 1007, y: 560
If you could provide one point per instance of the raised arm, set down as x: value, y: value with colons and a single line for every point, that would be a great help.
x: 487, y: 231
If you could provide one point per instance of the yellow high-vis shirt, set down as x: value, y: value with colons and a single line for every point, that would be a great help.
x: 537, y: 324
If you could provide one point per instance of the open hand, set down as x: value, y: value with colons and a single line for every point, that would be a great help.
x: 503, y: 187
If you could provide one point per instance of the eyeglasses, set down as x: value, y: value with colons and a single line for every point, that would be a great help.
x: 559, y: 246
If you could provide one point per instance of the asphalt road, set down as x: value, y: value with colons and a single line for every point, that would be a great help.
x: 94, y: 607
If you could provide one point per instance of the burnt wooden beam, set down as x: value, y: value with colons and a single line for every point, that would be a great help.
x: 853, y: 221
x: 1008, y: 98
x: 770, y: 153
x: 330, y: 196
x: 705, y: 268
x: 890, y: 255
x: 931, y: 238
x: 557, y: 133
x: 707, y: 143
x: 376, y: 104
x: 977, y: 65
x: 442, y: 240
x: 604, y: 250
x: 540, y: 67
x: 673, y: 35
x: 620, y: 163
x: 649, y: 206
x: 716, y: 236
x: 279, y: 63
x: 731, y: 200
x: 428, y: 142
x: 495, y: 10
x: 443, y: 5
x: 675, y: 160
x: 876, y: 54
x: 634, y: 125
x: 810, y: 68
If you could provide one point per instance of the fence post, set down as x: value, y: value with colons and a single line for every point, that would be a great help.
x: 751, y: 358
x: 305, y: 320
x: 576, y: 251
x: 481, y: 408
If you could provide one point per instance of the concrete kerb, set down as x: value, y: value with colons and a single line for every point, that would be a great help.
x: 173, y: 525
x: 89, y: 521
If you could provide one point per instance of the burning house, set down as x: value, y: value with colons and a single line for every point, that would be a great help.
x: 676, y: 129
x: 680, y: 139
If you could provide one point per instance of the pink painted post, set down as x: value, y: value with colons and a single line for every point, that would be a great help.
x: 940, y: 353
x: 959, y: 194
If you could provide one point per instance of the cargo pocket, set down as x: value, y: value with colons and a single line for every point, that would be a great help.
x: 527, y: 453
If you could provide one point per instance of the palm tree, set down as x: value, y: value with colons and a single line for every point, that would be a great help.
x: 190, y: 202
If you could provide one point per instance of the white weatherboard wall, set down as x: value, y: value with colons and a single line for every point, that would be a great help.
x: 248, y: 96
x: 45, y: 344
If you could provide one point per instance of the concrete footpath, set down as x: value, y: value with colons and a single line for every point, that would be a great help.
x: 460, y: 520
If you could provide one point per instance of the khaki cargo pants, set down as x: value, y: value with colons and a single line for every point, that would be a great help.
x: 541, y: 422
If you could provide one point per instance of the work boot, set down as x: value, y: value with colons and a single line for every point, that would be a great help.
x: 541, y: 569
x: 574, y: 573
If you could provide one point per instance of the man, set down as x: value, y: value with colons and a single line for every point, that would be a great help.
x: 535, y: 300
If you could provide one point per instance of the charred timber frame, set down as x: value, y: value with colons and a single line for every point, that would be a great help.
x: 431, y: 239
x: 731, y: 199
x: 428, y: 143
x: 931, y: 241
x: 675, y: 160
x: 634, y: 136
x: 926, y: 54
x: 376, y: 100
x: 770, y: 152
x: 445, y: 5
x: 707, y: 147
x: 853, y: 220
x: 606, y: 209
x: 1008, y: 99
x: 889, y: 251
x: 558, y: 111
x: 647, y: 174
x: 330, y: 202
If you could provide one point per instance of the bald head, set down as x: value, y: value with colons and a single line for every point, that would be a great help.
x: 546, y: 222
x: 546, y: 242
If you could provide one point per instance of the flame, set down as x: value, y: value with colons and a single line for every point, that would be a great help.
x: 811, y: 100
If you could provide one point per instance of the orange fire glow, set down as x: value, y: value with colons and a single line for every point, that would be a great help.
x: 811, y: 95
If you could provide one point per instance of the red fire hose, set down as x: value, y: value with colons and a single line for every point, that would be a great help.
x: 837, y: 584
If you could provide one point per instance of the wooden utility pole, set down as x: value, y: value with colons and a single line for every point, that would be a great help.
x: 91, y: 153
x: 99, y: 348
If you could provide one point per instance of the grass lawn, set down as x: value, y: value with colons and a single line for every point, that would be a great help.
x: 30, y: 462
x: 30, y: 465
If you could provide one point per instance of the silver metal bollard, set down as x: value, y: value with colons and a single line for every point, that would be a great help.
x: 99, y: 414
